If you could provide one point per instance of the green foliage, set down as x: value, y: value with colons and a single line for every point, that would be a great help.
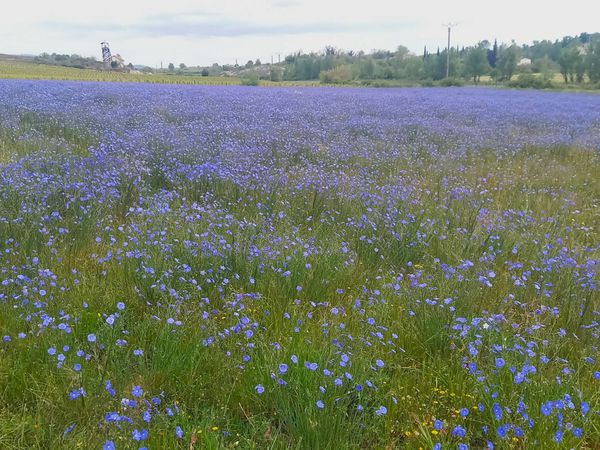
x: 276, y: 74
x: 76, y: 61
x: 507, y: 62
x: 339, y: 74
x: 593, y: 62
x: 450, y: 81
x: 250, y: 79
x: 476, y: 63
x: 530, y: 81
x: 570, y: 61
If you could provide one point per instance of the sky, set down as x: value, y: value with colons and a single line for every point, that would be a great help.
x: 202, y: 32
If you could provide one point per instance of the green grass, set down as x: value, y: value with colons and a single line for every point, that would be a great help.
x: 424, y: 372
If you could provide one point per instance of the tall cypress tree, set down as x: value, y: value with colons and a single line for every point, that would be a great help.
x: 492, y: 55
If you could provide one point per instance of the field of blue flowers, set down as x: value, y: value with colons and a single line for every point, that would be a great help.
x: 232, y: 267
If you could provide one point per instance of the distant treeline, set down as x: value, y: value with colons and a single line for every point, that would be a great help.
x: 77, y: 61
x: 577, y: 59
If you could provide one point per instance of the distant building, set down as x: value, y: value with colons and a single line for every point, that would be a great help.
x: 524, y: 62
x: 117, y: 61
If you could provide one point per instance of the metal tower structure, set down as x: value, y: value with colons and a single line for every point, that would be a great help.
x: 106, y: 56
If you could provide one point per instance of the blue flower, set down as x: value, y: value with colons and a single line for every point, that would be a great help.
x: 139, y: 435
x: 108, y: 445
x: 519, y: 378
x: 259, y: 388
x: 109, y: 388
x: 320, y: 404
x: 283, y: 368
x: 137, y: 391
x: 459, y: 431
x: 91, y: 337
x: 438, y: 424
x: 500, y: 363
x: 464, y: 412
x: 497, y: 411
x: 311, y: 366
x: 112, y: 416
x: 502, y: 430
x: 381, y: 411
x: 546, y: 409
x: 178, y: 432
x: 585, y: 408
x: 76, y: 393
x: 558, y: 436
x: 120, y: 306
x: 68, y: 429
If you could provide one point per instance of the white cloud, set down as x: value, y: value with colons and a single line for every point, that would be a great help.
x: 202, y: 32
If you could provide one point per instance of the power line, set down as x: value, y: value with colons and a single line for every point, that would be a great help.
x: 448, y: 25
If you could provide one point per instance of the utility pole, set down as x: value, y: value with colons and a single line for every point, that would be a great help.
x: 448, y: 25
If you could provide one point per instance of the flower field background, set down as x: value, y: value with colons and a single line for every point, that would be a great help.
x: 235, y: 267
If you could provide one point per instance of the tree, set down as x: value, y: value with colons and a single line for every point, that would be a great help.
x: 249, y: 64
x: 593, y: 62
x: 568, y: 61
x: 330, y: 50
x: 402, y: 52
x: 476, y: 63
x: 492, y: 55
x: 257, y: 62
x: 507, y: 62
x: 545, y: 66
x: 182, y: 66
x: 205, y: 72
x: 276, y: 73
x: 171, y: 67
x: 367, y: 69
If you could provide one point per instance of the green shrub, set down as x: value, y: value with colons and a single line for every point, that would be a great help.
x: 276, y: 74
x: 530, y: 81
x: 337, y: 75
x: 250, y: 79
x: 447, y: 82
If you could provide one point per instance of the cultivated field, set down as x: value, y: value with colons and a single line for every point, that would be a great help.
x: 15, y: 69
x: 26, y: 70
x: 202, y: 267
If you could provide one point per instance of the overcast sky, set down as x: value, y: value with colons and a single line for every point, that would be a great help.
x: 206, y: 31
